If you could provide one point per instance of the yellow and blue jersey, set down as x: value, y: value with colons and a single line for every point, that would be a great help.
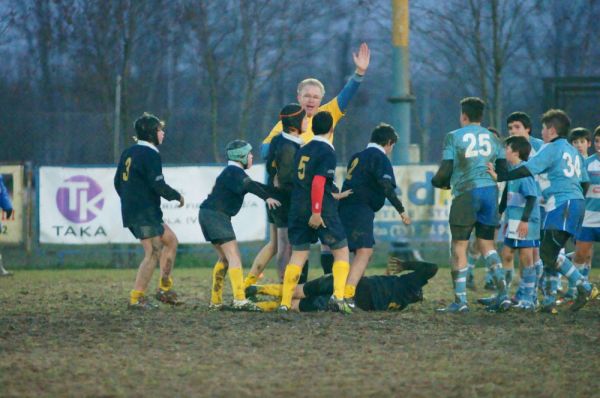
x: 471, y: 148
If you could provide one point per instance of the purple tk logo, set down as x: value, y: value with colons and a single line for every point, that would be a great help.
x: 79, y: 199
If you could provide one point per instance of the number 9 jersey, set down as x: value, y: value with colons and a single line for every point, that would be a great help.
x: 471, y: 148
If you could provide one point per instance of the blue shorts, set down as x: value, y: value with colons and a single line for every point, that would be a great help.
x: 301, y: 235
x: 358, y: 225
x: 518, y: 244
x: 567, y: 217
x: 589, y: 234
x: 479, y: 205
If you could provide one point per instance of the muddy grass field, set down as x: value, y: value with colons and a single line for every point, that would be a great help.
x: 68, y: 333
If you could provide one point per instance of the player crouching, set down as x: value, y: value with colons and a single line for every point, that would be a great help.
x: 224, y: 202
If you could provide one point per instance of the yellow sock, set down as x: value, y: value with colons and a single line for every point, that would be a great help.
x: 290, y: 280
x: 236, y: 276
x: 268, y: 306
x: 165, y: 285
x: 135, y: 295
x: 349, y: 291
x: 250, y: 280
x: 340, y: 272
x: 270, y: 290
x: 218, y: 277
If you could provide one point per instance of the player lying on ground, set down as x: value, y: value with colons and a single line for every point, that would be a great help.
x: 373, y: 293
x: 565, y: 205
x: 224, y: 202
x: 140, y: 184
x: 371, y: 179
x: 310, y: 93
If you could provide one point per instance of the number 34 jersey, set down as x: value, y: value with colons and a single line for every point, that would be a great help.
x: 317, y: 158
x: 471, y: 148
x: 563, y: 171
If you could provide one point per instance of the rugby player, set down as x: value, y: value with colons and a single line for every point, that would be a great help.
x: 224, y: 202
x: 140, y: 184
x: 475, y: 199
x: 371, y: 179
x: 373, y: 293
x: 563, y: 193
x: 314, y: 214
x: 6, y: 205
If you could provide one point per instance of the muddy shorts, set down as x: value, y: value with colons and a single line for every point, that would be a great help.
x: 301, y: 235
x: 216, y: 226
x: 147, y: 230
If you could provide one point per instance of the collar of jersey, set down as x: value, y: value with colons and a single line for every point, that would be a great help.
x: 233, y: 163
x: 148, y: 144
x: 325, y: 140
x: 293, y: 138
x: 376, y: 145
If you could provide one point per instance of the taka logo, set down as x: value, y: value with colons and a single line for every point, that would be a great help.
x: 79, y: 199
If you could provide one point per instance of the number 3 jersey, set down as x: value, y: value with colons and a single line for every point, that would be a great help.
x: 562, y: 172
x: 317, y: 158
x: 471, y: 148
x: 592, y: 198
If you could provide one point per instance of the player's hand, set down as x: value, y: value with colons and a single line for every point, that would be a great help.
x: 342, y: 195
x: 362, y: 59
x: 272, y: 203
x: 405, y: 218
x: 523, y: 229
x: 394, y: 266
x: 181, y: 200
x: 316, y: 221
x: 491, y: 171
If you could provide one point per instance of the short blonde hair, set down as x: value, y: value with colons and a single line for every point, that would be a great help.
x: 311, y: 82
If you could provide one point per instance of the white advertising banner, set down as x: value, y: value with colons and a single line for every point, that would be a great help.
x: 80, y: 205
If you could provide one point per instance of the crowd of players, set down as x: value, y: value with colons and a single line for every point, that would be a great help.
x: 305, y: 207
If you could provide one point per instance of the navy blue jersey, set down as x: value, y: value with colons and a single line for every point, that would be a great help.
x: 317, y: 158
x: 140, y: 184
x: 227, y: 196
x: 280, y: 161
x: 365, y: 170
x: 382, y: 292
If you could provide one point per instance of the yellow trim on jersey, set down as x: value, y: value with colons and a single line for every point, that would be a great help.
x: 331, y: 107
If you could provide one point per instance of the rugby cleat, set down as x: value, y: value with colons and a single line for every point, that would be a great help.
x: 350, y: 303
x: 454, y: 308
x: 283, y: 309
x: 168, y: 297
x: 583, y: 296
x: 339, y: 305
x: 487, y: 301
x: 549, y: 308
x: 499, y: 305
x: 524, y: 305
x: 245, y: 305
x: 215, y: 307
x: 143, y: 304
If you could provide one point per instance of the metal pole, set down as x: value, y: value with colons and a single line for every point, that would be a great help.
x: 117, y: 122
x: 401, y: 98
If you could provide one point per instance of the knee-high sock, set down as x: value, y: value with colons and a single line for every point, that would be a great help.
x: 494, y: 264
x: 165, y: 286
x: 236, y: 277
x: 340, y: 271
x: 290, y: 280
x: 326, y: 263
x: 460, y: 285
x: 218, y: 278
x: 268, y: 306
x: 527, y: 284
x: 550, y: 286
x: 571, y: 272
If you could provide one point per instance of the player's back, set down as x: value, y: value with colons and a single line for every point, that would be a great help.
x: 227, y: 195
x: 471, y: 148
x: 315, y: 158
x: 132, y: 183
x: 365, y: 168
x: 562, y: 170
x: 283, y: 160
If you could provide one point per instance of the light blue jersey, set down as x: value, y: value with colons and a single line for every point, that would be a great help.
x: 592, y: 198
x: 517, y: 192
x: 536, y: 145
x: 471, y: 148
x: 561, y: 169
